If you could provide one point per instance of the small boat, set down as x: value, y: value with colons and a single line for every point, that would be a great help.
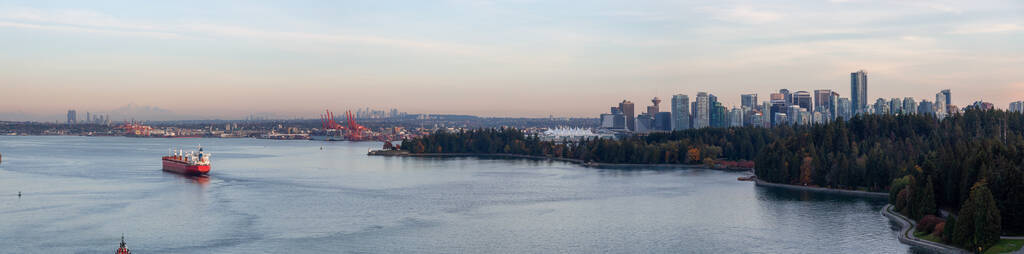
x: 124, y: 247
x: 746, y: 178
x: 187, y: 163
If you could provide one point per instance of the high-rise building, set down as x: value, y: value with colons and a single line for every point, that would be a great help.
x: 940, y: 105
x: 793, y: 112
x: 909, y: 105
x: 680, y: 112
x: 1017, y: 106
x: 779, y: 103
x: 735, y: 117
x: 655, y: 108
x: 926, y: 108
x: 881, y: 107
x: 780, y: 119
x: 663, y: 121
x: 833, y: 103
x: 627, y: 112
x: 947, y: 96
x: 72, y: 116
x: 644, y: 123
x: 859, y: 91
x: 844, y: 110
x: 803, y: 99
x: 702, y: 118
x: 615, y: 120
x: 786, y: 96
x: 895, y: 106
x: 748, y: 100
x: 822, y: 100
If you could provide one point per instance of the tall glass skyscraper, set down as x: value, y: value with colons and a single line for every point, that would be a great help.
x: 680, y: 112
x: 859, y: 91
x: 702, y: 118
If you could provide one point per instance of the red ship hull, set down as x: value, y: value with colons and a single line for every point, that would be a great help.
x: 181, y: 167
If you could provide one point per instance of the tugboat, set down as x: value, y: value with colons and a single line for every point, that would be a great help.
x: 124, y: 247
x: 188, y: 163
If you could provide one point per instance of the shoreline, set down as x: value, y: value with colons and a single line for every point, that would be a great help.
x: 906, y: 235
x: 536, y: 157
x: 869, y: 194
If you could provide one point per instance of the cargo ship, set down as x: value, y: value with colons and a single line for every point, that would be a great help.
x: 188, y: 163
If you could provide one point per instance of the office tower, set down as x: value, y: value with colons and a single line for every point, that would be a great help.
x: 717, y: 116
x: 1017, y: 106
x: 844, y: 109
x: 701, y: 118
x: 793, y: 113
x: 859, y: 91
x: 644, y: 123
x: 909, y: 105
x: 786, y: 96
x: 895, y: 106
x: 946, y: 96
x: 654, y: 109
x: 881, y: 107
x: 925, y: 107
x: 778, y: 105
x: 748, y: 100
x: 803, y: 99
x: 940, y: 105
x: 680, y: 112
x: 832, y: 104
x: 822, y: 100
x: 72, y: 116
x: 663, y: 121
x: 615, y: 120
x: 736, y: 117
x: 627, y: 112
x: 780, y: 119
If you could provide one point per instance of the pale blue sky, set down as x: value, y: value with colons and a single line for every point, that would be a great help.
x: 497, y: 58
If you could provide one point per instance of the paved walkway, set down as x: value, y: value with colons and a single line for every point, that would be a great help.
x: 906, y: 234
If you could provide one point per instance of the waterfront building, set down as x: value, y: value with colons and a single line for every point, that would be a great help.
x: 663, y: 121
x: 655, y: 108
x: 72, y: 116
x: 859, y: 91
x: 702, y: 111
x: 680, y: 112
x: 627, y: 112
x: 644, y: 123
x: 613, y: 121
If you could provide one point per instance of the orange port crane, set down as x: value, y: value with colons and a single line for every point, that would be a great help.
x: 352, y: 130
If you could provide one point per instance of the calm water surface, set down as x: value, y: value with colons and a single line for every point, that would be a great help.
x: 267, y: 196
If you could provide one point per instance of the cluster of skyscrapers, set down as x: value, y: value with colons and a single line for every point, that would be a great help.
x: 781, y: 108
x: 90, y: 118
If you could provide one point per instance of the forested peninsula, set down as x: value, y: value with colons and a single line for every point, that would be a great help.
x: 937, y: 164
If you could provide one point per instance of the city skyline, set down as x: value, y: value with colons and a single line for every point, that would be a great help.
x: 529, y: 59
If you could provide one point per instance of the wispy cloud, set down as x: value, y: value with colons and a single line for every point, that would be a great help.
x: 987, y: 28
x: 745, y: 14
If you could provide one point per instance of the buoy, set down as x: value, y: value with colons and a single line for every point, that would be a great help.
x: 19, y: 194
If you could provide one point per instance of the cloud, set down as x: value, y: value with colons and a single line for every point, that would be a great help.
x: 745, y: 14
x: 62, y: 28
x: 987, y: 28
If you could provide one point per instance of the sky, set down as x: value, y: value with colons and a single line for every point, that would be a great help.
x: 229, y: 59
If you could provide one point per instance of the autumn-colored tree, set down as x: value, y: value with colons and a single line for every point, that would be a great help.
x: 805, y: 170
x: 693, y: 154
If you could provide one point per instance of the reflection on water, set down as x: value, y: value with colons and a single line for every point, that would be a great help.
x: 271, y: 196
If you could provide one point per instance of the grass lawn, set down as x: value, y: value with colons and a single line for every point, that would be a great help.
x: 928, y: 237
x: 1005, y: 246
